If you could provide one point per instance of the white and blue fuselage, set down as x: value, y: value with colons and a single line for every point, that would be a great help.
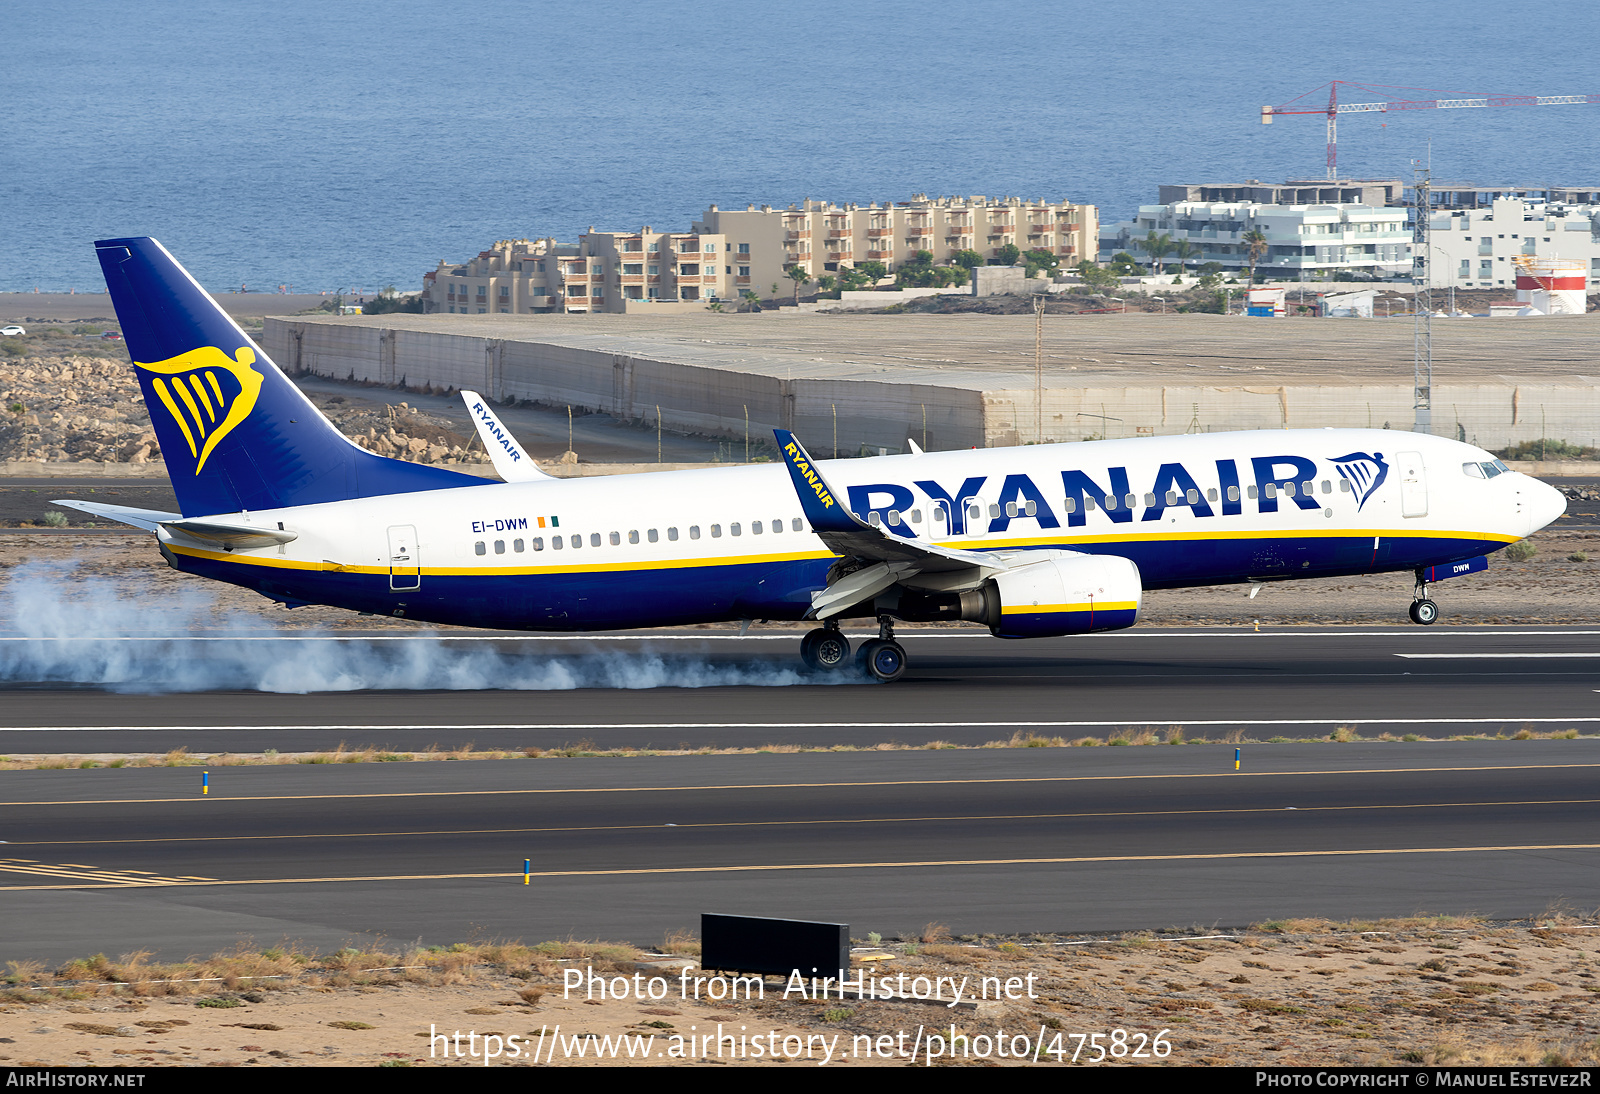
x: 1031, y: 541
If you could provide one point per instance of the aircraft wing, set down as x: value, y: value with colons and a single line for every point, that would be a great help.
x: 148, y: 519
x: 510, y: 461
x: 886, y: 558
x: 847, y: 534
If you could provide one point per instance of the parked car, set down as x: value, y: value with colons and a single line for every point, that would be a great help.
x: 112, y: 336
x: 13, y: 329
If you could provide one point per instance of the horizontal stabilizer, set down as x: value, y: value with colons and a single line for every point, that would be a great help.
x: 148, y: 519
x: 230, y: 537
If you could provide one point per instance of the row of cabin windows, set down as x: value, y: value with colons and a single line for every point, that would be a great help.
x: 1128, y: 501
x: 895, y: 517
x: 651, y: 535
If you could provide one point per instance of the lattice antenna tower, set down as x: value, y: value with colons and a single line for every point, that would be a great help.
x: 1421, y: 299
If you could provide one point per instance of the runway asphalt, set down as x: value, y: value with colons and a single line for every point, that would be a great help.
x: 1003, y: 840
x: 990, y: 841
x: 703, y: 690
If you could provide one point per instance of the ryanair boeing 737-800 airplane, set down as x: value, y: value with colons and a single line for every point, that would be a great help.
x: 1034, y: 541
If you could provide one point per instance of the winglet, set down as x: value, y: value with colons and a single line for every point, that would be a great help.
x: 510, y: 461
x: 823, y: 507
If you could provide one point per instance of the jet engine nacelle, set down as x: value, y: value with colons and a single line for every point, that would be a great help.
x: 1062, y: 593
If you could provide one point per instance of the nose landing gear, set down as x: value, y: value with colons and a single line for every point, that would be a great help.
x: 1423, y: 611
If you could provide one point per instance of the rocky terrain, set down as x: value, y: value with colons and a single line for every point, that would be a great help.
x: 60, y: 406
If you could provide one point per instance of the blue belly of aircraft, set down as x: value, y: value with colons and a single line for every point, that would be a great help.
x: 650, y: 597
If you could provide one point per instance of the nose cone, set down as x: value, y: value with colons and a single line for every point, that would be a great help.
x: 1543, y: 503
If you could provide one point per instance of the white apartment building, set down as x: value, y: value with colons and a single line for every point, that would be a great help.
x: 604, y: 272
x: 822, y: 237
x: 1474, y: 248
x: 1304, y: 242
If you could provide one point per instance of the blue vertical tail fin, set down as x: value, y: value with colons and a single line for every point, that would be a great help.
x: 235, y: 432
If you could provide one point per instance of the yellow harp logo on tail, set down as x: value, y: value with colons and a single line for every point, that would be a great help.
x: 207, y: 393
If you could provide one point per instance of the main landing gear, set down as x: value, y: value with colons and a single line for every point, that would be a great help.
x: 825, y: 648
x: 882, y: 657
x: 1423, y: 610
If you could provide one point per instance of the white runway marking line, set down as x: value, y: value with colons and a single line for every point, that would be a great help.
x: 487, y: 727
x: 1482, y: 656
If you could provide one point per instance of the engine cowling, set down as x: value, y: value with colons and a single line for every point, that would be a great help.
x: 1060, y: 594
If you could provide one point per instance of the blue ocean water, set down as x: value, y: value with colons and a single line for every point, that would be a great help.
x: 354, y: 145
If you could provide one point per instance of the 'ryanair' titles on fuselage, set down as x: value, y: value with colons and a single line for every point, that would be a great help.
x: 1112, y: 495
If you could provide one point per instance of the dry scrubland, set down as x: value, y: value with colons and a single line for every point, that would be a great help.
x: 1304, y: 992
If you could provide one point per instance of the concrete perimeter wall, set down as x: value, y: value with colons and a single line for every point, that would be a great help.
x: 686, y: 398
x: 866, y: 415
x: 1488, y: 414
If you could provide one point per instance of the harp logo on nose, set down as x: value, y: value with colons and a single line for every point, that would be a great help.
x: 207, y: 393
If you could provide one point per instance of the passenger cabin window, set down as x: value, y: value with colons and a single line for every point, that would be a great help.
x: 1211, y: 494
x: 672, y: 534
x: 1233, y: 493
x: 538, y: 543
x: 616, y: 539
x: 1250, y: 491
x: 594, y: 539
x: 556, y: 543
x: 797, y: 526
x: 633, y: 536
x: 577, y: 541
x: 1070, y: 505
x: 777, y: 526
x: 694, y: 531
x: 499, y: 546
x: 716, y: 531
x: 478, y: 548
x: 894, y: 518
x: 756, y: 528
x: 733, y: 528
x: 653, y: 535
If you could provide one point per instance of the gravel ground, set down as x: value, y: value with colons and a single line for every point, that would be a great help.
x: 1306, y: 993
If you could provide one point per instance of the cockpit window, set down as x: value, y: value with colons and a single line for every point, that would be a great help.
x: 1473, y: 470
x: 1487, y: 470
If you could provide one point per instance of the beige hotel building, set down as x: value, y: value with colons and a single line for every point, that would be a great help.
x: 728, y: 252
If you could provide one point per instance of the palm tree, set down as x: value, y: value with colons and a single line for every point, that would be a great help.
x: 1255, y: 241
x: 797, y: 273
x: 1183, y: 251
x: 1157, y: 246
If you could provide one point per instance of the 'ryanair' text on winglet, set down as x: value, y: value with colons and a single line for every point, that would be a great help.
x: 817, y: 498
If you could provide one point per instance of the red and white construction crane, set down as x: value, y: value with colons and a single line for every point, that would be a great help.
x: 1335, y: 107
